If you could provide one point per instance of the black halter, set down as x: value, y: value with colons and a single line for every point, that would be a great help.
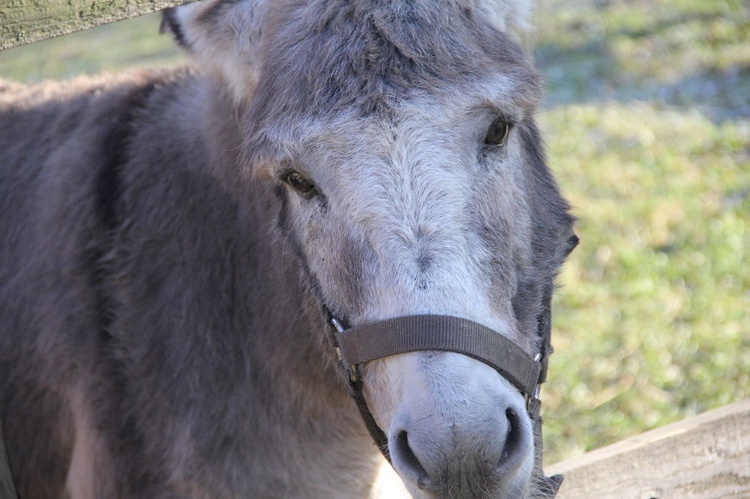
x: 444, y: 333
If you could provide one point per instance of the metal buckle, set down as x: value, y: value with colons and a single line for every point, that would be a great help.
x: 534, y: 396
x: 353, y: 371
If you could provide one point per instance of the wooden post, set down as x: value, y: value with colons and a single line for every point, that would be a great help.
x: 706, y: 456
x: 25, y: 21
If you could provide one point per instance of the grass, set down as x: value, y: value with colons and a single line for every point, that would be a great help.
x: 648, y: 122
x: 647, y: 119
x: 113, y: 47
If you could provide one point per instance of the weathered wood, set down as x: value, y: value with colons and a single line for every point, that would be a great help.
x: 707, y: 456
x: 25, y: 21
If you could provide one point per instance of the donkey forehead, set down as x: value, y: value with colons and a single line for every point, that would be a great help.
x: 368, y: 56
x: 452, y: 117
x: 440, y: 131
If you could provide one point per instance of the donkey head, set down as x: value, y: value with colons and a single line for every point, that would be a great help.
x: 401, y: 138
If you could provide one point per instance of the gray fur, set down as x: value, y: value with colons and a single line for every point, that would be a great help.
x: 161, y: 291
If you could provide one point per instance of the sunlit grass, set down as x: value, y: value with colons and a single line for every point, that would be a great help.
x: 647, y: 120
x: 648, y: 127
x: 652, y: 321
x: 112, y: 47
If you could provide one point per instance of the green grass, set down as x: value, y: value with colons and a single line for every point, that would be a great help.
x: 647, y: 120
x: 113, y: 47
x: 648, y: 123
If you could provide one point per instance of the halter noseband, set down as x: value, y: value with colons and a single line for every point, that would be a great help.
x: 361, y: 344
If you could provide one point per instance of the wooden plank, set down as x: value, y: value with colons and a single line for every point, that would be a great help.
x: 25, y: 21
x: 707, y: 456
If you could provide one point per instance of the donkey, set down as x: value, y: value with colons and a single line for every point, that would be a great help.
x: 185, y: 255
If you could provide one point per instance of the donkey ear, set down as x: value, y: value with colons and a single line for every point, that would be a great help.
x: 507, y: 15
x: 223, y: 37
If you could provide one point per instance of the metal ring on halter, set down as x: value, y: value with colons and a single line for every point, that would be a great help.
x: 537, y: 390
x: 353, y: 370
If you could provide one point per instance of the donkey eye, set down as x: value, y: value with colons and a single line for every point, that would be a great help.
x: 498, y: 132
x: 300, y: 183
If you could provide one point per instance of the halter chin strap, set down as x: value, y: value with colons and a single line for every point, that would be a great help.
x: 444, y: 333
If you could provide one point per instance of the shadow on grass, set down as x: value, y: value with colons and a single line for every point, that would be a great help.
x: 600, y: 63
x: 722, y: 95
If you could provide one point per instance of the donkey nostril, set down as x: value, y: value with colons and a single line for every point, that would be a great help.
x: 408, y: 459
x: 512, y: 453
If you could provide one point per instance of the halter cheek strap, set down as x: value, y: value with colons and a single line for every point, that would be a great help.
x: 442, y: 333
